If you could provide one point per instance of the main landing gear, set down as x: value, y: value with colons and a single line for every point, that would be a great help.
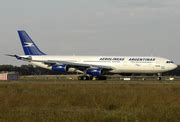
x: 92, y: 78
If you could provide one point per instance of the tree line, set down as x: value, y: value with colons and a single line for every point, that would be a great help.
x: 31, y: 70
x: 27, y: 70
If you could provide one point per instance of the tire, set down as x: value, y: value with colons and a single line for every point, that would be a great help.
x: 83, y: 78
x: 91, y: 78
x: 80, y: 78
x: 102, y: 78
x: 159, y: 78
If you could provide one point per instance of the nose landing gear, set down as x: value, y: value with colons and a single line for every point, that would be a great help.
x: 159, y: 76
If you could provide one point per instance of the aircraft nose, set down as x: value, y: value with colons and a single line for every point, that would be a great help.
x: 174, y: 66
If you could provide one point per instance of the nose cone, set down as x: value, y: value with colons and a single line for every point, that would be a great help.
x: 174, y: 66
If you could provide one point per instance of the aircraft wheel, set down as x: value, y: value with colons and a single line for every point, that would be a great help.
x: 102, y: 78
x: 91, y: 78
x: 159, y: 78
x: 79, y: 77
x: 83, y: 78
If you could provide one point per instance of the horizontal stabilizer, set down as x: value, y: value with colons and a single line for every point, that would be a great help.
x: 27, y: 58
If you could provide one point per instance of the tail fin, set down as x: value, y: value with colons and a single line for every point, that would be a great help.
x: 28, y: 45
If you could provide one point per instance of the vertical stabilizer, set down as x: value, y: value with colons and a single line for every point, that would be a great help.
x: 28, y: 45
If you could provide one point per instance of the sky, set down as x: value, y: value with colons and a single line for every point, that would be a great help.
x: 92, y: 27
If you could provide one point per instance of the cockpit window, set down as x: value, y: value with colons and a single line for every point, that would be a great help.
x: 169, y: 62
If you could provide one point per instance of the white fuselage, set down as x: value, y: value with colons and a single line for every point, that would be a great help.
x: 119, y: 64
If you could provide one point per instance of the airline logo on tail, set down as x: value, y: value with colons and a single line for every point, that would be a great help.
x: 28, y: 44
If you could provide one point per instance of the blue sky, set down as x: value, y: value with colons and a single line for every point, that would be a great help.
x: 92, y: 27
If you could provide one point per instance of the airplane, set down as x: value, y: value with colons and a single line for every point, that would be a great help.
x: 92, y: 67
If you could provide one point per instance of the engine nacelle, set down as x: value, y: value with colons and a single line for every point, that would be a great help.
x: 59, y: 68
x: 94, y: 72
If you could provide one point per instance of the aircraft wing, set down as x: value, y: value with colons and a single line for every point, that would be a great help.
x: 75, y: 64
x: 55, y: 62
x: 80, y: 64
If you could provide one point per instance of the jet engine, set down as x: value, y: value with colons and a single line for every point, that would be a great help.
x: 94, y: 72
x: 60, y: 68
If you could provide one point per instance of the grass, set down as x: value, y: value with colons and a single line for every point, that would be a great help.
x: 90, y: 101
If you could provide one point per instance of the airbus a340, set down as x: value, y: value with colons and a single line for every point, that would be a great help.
x: 91, y: 66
